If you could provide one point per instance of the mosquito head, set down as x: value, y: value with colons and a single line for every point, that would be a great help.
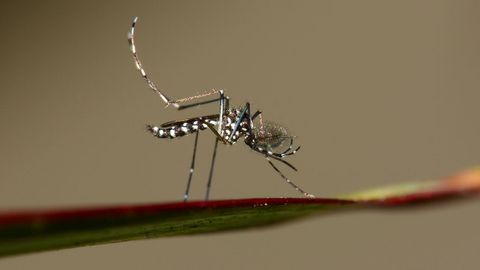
x: 270, y: 135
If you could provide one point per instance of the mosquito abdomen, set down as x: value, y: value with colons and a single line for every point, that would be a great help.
x: 178, y: 130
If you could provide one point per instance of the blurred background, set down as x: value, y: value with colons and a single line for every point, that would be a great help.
x: 378, y: 93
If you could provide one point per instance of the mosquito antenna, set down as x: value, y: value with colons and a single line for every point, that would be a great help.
x: 138, y: 64
x: 297, y: 188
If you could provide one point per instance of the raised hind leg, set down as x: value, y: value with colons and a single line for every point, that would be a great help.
x: 168, y: 101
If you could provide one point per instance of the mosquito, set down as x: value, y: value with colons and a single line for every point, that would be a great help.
x: 228, y: 126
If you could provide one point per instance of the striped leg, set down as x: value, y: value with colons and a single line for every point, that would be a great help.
x: 209, y: 183
x: 168, y: 101
x: 138, y: 64
x: 296, y: 187
x: 192, y: 168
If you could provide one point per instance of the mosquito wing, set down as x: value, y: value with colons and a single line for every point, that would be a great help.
x: 213, y: 117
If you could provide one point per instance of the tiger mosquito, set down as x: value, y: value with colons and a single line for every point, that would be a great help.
x: 228, y: 126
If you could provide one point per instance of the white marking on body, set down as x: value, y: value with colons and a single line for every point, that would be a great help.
x: 172, y: 133
x: 184, y: 129
x: 160, y: 133
x: 155, y: 129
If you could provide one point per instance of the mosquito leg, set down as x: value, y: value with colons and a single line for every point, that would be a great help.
x: 289, y: 147
x: 296, y: 187
x: 138, y: 63
x: 192, y: 167
x: 209, y: 183
x: 270, y: 154
x: 221, y: 114
x: 247, y: 111
x: 219, y: 134
x: 206, y: 94
x: 286, y: 153
x: 215, y: 132
x: 250, y: 119
x: 257, y: 113
x: 153, y: 86
x: 289, y: 150
x: 183, y: 107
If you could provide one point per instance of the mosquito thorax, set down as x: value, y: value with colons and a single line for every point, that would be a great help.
x: 230, y: 119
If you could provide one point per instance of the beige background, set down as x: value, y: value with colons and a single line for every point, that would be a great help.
x: 378, y: 92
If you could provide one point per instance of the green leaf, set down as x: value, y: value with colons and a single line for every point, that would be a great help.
x: 39, y: 230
